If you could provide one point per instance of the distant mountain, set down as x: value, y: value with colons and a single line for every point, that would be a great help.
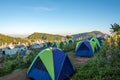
x: 9, y: 39
x: 87, y: 35
x: 19, y: 35
x: 45, y: 36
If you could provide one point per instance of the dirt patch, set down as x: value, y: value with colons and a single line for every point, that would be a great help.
x: 77, y: 60
x: 19, y: 74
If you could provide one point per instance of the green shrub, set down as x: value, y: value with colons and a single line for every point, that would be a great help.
x: 11, y: 63
x: 105, y: 65
x: 8, y: 66
x: 69, y: 47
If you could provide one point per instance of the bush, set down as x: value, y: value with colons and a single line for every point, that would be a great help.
x: 11, y: 63
x: 8, y: 66
x: 69, y: 47
x: 105, y: 65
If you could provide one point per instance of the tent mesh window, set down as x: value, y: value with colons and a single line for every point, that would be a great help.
x: 39, y: 65
x: 83, y: 47
x: 93, y: 40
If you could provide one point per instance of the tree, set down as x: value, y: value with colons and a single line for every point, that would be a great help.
x: 115, y: 28
x: 44, y: 38
x: 69, y: 37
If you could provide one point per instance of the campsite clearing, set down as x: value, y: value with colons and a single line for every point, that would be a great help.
x: 20, y: 74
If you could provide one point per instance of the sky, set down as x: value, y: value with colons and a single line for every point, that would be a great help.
x: 58, y: 16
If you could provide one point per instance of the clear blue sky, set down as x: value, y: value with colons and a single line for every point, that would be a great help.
x: 58, y: 16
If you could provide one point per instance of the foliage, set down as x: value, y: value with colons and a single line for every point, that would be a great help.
x: 11, y: 63
x: 8, y: 65
x: 103, y: 66
x: 69, y: 37
x: 115, y: 28
x: 69, y: 47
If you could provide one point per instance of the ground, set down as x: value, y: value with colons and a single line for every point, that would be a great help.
x: 20, y: 74
x: 77, y: 60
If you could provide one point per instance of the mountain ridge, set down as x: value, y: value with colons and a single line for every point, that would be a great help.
x: 47, y: 36
x: 9, y: 39
x: 86, y: 35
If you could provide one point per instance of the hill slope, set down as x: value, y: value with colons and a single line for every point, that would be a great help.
x: 8, y: 39
x: 45, y: 36
x: 87, y: 34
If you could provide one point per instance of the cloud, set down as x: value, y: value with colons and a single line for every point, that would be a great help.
x: 42, y: 8
x: 38, y: 8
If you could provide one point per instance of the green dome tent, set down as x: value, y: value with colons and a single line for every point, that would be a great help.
x: 50, y: 64
x: 84, y: 48
x: 70, y: 41
x: 95, y: 43
x: 63, y: 43
x: 77, y: 44
x: 54, y: 44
